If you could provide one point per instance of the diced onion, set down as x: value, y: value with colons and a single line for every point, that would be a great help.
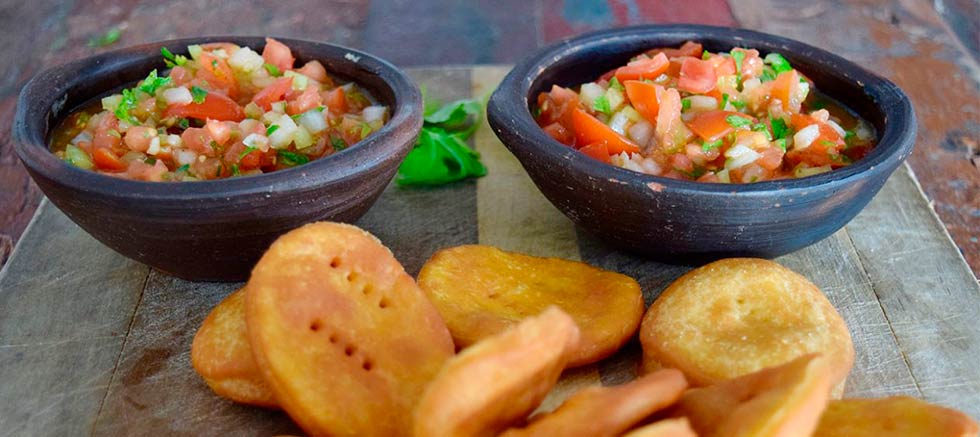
x: 805, y: 137
x: 246, y: 60
x: 253, y: 111
x: 751, y: 84
x: 724, y: 177
x: 299, y: 81
x: 371, y: 113
x: 81, y: 137
x: 185, y: 156
x: 314, y: 122
x: 154, y: 146
x: 284, y: 134
x: 589, y: 92
x: 250, y: 125
x: 640, y: 132
x: 279, y: 107
x: 257, y: 141
x: 836, y: 127
x: 195, y: 51
x: 740, y: 155
x: 615, y: 98
x: 173, y: 140
x: 302, y: 138
x: 618, y: 122
x: 863, y: 132
x: 110, y: 103
x: 703, y: 103
x: 178, y: 96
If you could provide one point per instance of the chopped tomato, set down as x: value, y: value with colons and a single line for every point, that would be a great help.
x: 697, y: 76
x: 690, y: 48
x: 597, y: 151
x: 335, y: 100
x: 180, y: 75
x: 713, y: 125
x: 786, y: 88
x: 643, y: 68
x: 589, y: 130
x: 273, y: 93
x: 217, y: 73
x: 315, y: 70
x: 228, y: 47
x: 251, y: 160
x: 276, y: 53
x: 671, y: 132
x: 105, y: 159
x: 198, y: 140
x: 560, y: 133
x: 557, y: 106
x: 107, y: 133
x: 307, y: 100
x: 215, y: 106
x: 643, y: 96
x: 724, y: 65
x: 772, y: 158
x: 218, y: 131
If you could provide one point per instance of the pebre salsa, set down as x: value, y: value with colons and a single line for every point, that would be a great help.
x: 223, y: 111
x: 687, y: 113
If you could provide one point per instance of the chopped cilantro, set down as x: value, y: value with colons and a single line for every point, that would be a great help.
x: 537, y: 112
x: 759, y: 127
x: 849, y: 136
x: 828, y: 143
x: 685, y: 104
x: 214, y: 63
x: 768, y: 74
x: 737, y: 121
x: 293, y: 158
x: 234, y: 170
x: 614, y: 84
x: 106, y: 39
x: 739, y: 57
x: 271, y: 129
x: 272, y: 69
x: 441, y: 155
x: 781, y: 143
x: 184, y: 168
x: 737, y: 104
x: 779, y: 128
x: 724, y: 101
x: 707, y: 147
x: 150, y: 160
x: 245, y: 153
x: 338, y: 143
x: 705, y: 55
x: 199, y: 94
x: 170, y: 59
x: 127, y: 103
x: 365, y: 130
x: 183, y: 123
x: 778, y: 62
x: 321, y: 108
x: 152, y: 83
x: 601, y: 104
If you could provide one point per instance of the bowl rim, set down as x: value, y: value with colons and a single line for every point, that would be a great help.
x: 30, y: 129
x: 509, y: 114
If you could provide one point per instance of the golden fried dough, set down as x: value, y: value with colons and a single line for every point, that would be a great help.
x: 678, y: 427
x: 498, y: 381
x: 482, y: 290
x: 783, y: 401
x: 739, y: 315
x: 343, y: 336
x: 898, y: 416
x: 607, y: 411
x: 222, y: 356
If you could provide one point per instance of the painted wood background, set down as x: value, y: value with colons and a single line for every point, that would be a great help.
x: 928, y: 47
x: 93, y: 343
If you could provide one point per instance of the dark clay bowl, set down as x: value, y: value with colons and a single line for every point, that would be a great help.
x: 211, y: 230
x: 683, y: 221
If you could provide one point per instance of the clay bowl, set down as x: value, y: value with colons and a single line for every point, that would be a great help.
x: 211, y: 230
x: 689, y: 222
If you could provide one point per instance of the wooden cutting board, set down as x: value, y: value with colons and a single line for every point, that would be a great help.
x: 93, y: 343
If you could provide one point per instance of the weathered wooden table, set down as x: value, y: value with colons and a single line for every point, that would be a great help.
x: 929, y: 48
x: 91, y: 342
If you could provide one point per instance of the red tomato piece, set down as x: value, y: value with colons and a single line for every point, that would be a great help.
x: 215, y: 106
x: 556, y: 106
x: 105, y: 159
x: 335, y: 100
x: 198, y: 140
x: 643, y: 96
x: 219, y: 131
x: 217, y: 73
x: 560, y: 133
x: 315, y: 70
x: 305, y: 101
x: 713, y: 125
x: 273, y: 93
x: 104, y: 137
x: 690, y: 48
x: 181, y: 76
x: 597, y: 151
x: 276, y: 53
x: 786, y: 88
x: 589, y: 130
x: 643, y: 68
x: 697, y: 76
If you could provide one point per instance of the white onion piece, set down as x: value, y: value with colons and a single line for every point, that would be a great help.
x: 370, y: 114
x: 250, y: 125
x: 257, y: 141
x: 154, y: 147
x: 246, y: 60
x: 640, y: 132
x: 172, y: 140
x: 751, y: 84
x: 185, y: 157
x: 178, y: 96
x: 618, y: 123
x: 313, y: 121
x: 589, y: 92
x: 805, y: 137
x: 740, y: 155
x: 703, y: 103
x: 84, y: 136
x: 836, y: 127
x: 284, y: 134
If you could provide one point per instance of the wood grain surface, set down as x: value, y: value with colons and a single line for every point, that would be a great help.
x: 928, y: 47
x: 92, y: 343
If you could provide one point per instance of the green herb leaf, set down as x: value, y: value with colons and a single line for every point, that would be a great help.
x: 127, y: 103
x: 768, y: 74
x: 779, y: 128
x: 737, y: 121
x: 759, y: 127
x: 828, y: 143
x: 724, y: 101
x: 272, y: 128
x: 235, y: 171
x: 685, y: 104
x: 781, y: 143
x: 338, y: 143
x: 737, y: 104
x: 461, y: 117
x: 184, y: 168
x: 106, y: 39
x: 272, y: 69
x: 707, y: 147
x: 321, y: 108
x: 739, y: 57
x: 365, y: 130
x: 245, y: 153
x: 439, y: 158
x: 778, y: 62
x: 601, y: 104
x: 152, y: 83
x: 199, y: 94
x: 705, y: 55
x: 292, y: 158
x: 183, y: 123
x: 170, y: 59
x: 614, y: 84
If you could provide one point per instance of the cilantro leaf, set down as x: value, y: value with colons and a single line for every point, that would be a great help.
x: 170, y: 59
x: 461, y: 117
x: 778, y: 62
x: 245, y: 153
x: 601, y: 104
x: 759, y: 127
x: 781, y: 143
x: 152, y: 83
x: 106, y: 39
x: 199, y: 94
x: 183, y: 123
x: 292, y: 158
x: 707, y: 147
x: 614, y: 84
x: 779, y: 128
x: 685, y: 104
x: 127, y: 103
x: 338, y: 143
x: 439, y: 158
x: 272, y: 128
x: 768, y: 74
x: 737, y: 121
x: 272, y: 69
x: 724, y: 101
x: 739, y: 57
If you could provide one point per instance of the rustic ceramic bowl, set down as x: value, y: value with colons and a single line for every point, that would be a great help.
x: 211, y: 230
x: 684, y: 221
